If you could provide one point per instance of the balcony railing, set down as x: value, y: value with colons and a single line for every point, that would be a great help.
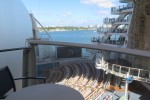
x: 121, y: 8
x: 119, y: 70
x: 116, y: 40
x: 67, y: 52
x: 123, y: 30
x: 113, y: 42
x: 125, y: 1
x: 112, y: 20
x: 111, y: 30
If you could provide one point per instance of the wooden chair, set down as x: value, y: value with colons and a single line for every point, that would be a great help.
x: 7, y: 81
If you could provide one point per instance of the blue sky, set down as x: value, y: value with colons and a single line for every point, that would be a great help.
x: 70, y: 12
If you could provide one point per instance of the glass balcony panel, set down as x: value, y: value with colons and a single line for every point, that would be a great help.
x: 110, y: 66
x: 116, y: 68
x: 49, y: 57
x: 124, y: 70
x: 120, y: 8
x: 134, y: 72
x: 144, y: 74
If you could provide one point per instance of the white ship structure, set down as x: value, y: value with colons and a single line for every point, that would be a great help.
x: 114, y: 31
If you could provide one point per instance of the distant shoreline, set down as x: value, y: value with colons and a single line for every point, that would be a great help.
x: 66, y: 30
x: 51, y: 29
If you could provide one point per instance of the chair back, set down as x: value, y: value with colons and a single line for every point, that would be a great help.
x: 6, y: 81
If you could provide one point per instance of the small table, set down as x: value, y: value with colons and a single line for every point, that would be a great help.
x: 46, y: 92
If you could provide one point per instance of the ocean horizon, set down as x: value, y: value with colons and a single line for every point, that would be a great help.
x: 75, y: 36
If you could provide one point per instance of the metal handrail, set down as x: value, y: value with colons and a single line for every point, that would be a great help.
x: 136, y: 52
x: 14, y: 49
x: 120, y: 8
x: 142, y: 75
x: 111, y: 30
x: 112, y: 20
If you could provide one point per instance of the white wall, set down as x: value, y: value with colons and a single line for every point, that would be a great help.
x: 15, y: 28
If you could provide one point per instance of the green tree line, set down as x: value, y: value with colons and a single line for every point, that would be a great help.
x: 63, y: 28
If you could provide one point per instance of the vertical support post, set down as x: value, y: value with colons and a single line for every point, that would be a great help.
x: 34, y: 27
x: 107, y: 65
x: 113, y: 67
x: 55, y: 56
x: 139, y: 72
x: 102, y: 61
x: 32, y: 65
x: 129, y: 70
x: 149, y: 74
x: 126, y: 87
x: 112, y: 70
x: 120, y: 69
x: 25, y: 67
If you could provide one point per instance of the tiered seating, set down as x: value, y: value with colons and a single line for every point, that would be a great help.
x: 63, y: 74
x: 82, y: 76
x: 77, y: 77
x: 95, y: 94
x: 80, y: 81
x: 49, y: 76
x: 85, y: 92
x: 68, y: 74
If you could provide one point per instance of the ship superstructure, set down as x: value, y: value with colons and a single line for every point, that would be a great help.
x: 115, y: 30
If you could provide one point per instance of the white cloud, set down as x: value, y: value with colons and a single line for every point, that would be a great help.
x: 100, y: 3
x: 103, y: 12
x: 67, y: 14
x: 84, y: 21
x: 42, y: 20
x: 60, y: 21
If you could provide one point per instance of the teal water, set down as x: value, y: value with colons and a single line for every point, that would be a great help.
x: 75, y: 36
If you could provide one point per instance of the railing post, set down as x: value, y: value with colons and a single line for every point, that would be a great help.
x: 120, y: 70
x: 107, y: 65
x: 139, y: 72
x: 113, y: 67
x: 149, y: 74
x: 126, y: 87
x: 102, y: 62
x: 32, y: 65
x: 129, y: 70
x: 25, y: 67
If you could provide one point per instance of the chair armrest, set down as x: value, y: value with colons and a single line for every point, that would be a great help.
x: 24, y: 78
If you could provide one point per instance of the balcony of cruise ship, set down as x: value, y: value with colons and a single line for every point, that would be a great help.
x: 122, y: 9
x: 92, y: 70
x: 126, y: 1
x: 111, y: 30
x: 78, y: 66
x: 125, y: 20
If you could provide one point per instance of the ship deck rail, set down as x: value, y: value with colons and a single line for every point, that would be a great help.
x: 118, y: 42
x: 90, y: 46
x: 111, y: 30
x: 121, y: 71
x: 121, y: 8
x: 30, y: 59
x: 113, y: 20
x: 15, y: 49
